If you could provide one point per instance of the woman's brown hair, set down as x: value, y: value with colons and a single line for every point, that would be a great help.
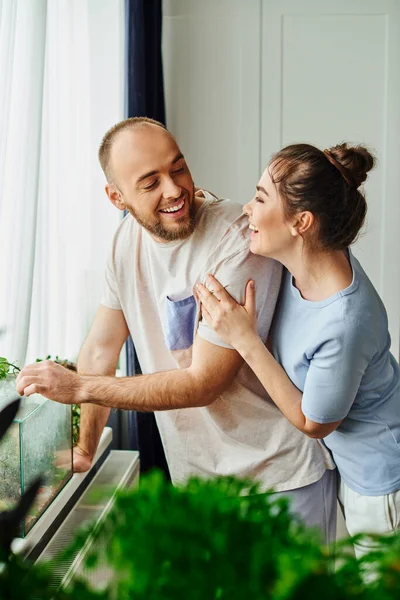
x: 326, y: 184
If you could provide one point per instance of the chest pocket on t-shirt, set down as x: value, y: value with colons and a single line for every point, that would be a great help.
x: 178, y: 325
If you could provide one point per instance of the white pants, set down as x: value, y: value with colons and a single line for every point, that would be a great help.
x: 369, y: 514
x: 316, y: 505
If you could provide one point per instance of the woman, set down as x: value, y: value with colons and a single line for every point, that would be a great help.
x: 329, y: 369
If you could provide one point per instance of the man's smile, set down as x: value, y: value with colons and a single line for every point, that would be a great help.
x: 174, y: 210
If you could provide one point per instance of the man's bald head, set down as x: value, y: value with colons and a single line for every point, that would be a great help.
x: 147, y: 175
x: 110, y: 136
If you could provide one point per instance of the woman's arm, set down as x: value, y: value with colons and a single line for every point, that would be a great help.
x: 286, y: 396
x: 236, y: 324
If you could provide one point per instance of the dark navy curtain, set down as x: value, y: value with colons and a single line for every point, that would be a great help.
x: 144, y: 98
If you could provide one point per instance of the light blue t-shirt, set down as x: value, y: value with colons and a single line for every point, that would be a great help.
x: 336, y: 352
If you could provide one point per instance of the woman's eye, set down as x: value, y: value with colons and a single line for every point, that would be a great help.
x: 258, y: 199
x: 180, y: 170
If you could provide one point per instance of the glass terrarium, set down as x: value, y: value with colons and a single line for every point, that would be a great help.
x: 39, y: 442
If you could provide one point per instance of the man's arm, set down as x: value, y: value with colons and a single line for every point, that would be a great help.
x: 212, y: 370
x: 98, y: 356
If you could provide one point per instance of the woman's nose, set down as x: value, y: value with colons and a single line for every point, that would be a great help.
x: 247, y: 209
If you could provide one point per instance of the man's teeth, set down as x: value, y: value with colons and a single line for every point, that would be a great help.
x: 174, y: 208
x: 253, y: 228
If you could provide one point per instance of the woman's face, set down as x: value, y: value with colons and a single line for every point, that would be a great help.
x: 271, y: 232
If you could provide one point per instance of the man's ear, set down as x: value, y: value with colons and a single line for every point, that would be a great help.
x: 115, y: 196
x: 302, y: 223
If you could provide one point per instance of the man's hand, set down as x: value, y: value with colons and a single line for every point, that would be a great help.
x: 52, y: 381
x: 82, y: 460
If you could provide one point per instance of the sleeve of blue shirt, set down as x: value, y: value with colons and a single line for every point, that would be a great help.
x: 335, y: 371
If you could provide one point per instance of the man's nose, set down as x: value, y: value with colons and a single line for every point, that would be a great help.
x: 171, y: 189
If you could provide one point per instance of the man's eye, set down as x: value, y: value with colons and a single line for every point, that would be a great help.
x: 151, y: 186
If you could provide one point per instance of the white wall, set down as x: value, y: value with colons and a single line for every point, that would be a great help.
x: 211, y: 53
x: 243, y: 79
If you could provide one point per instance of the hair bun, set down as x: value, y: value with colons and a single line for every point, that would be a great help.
x: 356, y: 160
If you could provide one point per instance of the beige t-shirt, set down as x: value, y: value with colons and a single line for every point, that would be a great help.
x: 242, y: 433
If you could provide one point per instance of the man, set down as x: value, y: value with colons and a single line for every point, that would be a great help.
x: 213, y: 414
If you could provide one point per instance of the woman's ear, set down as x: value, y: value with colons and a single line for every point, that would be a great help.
x: 115, y: 196
x: 302, y: 222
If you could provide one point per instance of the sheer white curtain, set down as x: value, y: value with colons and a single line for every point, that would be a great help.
x: 63, y: 224
x: 22, y: 50
x: 51, y: 198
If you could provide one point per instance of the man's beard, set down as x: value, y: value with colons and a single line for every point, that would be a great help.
x: 157, y: 229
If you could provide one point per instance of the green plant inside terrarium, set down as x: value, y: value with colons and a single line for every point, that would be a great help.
x: 10, y: 490
x: 7, y: 368
x: 38, y: 443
